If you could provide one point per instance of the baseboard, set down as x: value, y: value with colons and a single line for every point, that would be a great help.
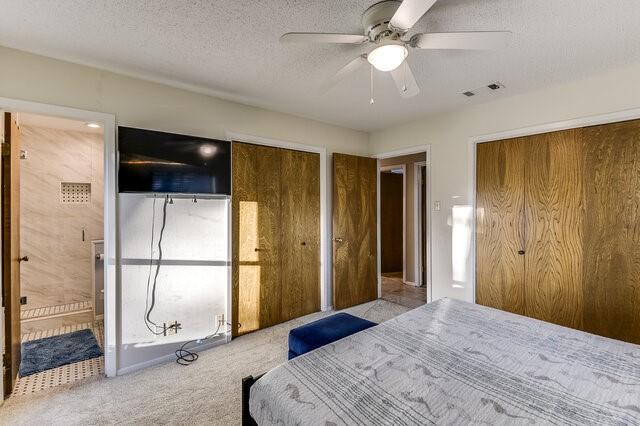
x: 326, y: 308
x: 412, y: 283
x: 171, y: 356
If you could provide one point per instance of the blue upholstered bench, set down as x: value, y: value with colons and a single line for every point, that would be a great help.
x: 324, y: 331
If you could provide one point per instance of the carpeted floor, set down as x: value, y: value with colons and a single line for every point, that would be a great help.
x: 207, y: 392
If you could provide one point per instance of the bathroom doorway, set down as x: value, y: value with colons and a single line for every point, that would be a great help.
x: 57, y: 214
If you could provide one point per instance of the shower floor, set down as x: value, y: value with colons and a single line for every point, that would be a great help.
x: 67, y: 373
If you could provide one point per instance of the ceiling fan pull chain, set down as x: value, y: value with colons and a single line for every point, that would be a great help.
x: 404, y: 76
x: 371, y: 101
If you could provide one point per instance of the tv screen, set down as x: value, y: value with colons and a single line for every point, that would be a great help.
x: 151, y: 161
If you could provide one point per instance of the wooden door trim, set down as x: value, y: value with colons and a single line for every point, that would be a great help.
x: 586, y: 121
x: 382, y: 169
x: 325, y: 238
x: 108, y: 122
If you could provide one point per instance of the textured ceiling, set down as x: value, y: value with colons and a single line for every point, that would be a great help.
x: 230, y: 48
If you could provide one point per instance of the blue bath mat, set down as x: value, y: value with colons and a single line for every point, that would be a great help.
x: 55, y: 351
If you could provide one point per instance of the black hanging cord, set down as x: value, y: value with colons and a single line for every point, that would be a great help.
x: 185, y: 356
x: 146, y: 301
x: 149, y: 308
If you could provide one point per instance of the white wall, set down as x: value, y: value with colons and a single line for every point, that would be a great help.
x: 449, y: 134
x: 193, y: 280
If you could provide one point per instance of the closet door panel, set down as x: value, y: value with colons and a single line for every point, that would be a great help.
x: 256, y: 289
x: 499, y: 225
x: 300, y: 224
x: 355, y: 230
x: 612, y: 230
x: 554, y: 210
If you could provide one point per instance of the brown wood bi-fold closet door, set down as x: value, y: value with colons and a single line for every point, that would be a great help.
x: 300, y: 225
x: 558, y: 228
x: 354, y: 230
x: 275, y: 236
x: 611, y: 244
x: 499, y: 226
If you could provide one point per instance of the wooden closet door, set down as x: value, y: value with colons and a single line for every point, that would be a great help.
x: 500, y: 188
x: 612, y: 230
x: 300, y: 225
x: 354, y: 230
x: 256, y: 229
x: 554, y: 211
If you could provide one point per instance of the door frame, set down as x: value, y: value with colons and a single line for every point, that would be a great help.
x: 108, y: 122
x: 417, y: 219
x: 325, y: 254
x: 398, y: 153
x: 586, y: 121
x: 380, y: 170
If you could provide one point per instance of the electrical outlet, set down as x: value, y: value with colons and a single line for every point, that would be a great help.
x: 168, y: 329
x: 172, y: 328
x: 220, y: 319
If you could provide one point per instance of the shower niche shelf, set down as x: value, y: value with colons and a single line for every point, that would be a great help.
x: 75, y: 193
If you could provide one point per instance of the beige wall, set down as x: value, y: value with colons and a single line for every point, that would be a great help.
x: 449, y: 135
x: 59, y: 267
x: 408, y: 161
x: 141, y: 103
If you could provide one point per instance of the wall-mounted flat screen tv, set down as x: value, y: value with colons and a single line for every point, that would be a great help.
x: 151, y: 161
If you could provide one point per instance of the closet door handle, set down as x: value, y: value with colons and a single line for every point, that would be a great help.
x: 521, y: 252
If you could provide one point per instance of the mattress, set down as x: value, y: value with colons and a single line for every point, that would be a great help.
x: 451, y: 362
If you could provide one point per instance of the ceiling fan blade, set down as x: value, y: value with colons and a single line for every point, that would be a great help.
x: 405, y: 81
x: 475, y: 40
x: 409, y: 12
x: 323, y: 38
x: 351, y: 67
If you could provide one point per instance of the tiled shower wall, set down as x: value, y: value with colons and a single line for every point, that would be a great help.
x: 59, y: 266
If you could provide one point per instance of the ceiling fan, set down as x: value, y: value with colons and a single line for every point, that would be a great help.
x: 385, y: 27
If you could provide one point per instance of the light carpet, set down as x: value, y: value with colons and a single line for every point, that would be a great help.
x: 206, y: 392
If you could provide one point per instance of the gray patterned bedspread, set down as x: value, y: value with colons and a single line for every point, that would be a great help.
x: 452, y: 362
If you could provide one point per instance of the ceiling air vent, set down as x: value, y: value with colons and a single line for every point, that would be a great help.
x: 495, y: 86
x: 468, y: 93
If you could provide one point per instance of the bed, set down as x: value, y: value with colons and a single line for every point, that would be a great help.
x: 451, y: 362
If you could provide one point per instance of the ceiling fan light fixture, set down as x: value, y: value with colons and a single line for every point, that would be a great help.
x: 388, y: 57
